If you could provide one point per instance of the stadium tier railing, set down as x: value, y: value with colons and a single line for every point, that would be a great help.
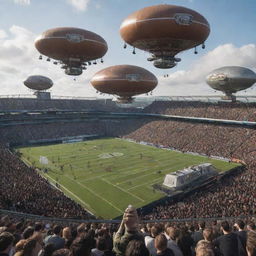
x: 209, y: 98
x: 20, y: 215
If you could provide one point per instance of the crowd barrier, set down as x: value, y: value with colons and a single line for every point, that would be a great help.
x: 84, y: 116
x: 20, y: 215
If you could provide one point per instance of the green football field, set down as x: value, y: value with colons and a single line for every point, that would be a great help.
x: 106, y: 175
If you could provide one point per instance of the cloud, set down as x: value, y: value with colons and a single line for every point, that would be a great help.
x: 2, y: 34
x: 192, y: 81
x: 19, y: 59
x: 22, y: 2
x: 80, y: 5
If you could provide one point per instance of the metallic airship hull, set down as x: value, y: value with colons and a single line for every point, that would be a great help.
x: 124, y: 81
x: 38, y: 83
x: 231, y: 79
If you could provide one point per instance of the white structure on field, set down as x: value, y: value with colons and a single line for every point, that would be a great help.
x: 187, y: 175
x: 43, y: 160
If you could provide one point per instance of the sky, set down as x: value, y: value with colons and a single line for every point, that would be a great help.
x: 232, y: 41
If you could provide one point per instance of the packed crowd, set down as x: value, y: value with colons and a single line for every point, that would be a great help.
x: 28, y: 238
x: 22, y: 189
x: 231, y: 196
x: 24, y: 133
x: 12, y: 104
x: 232, y: 111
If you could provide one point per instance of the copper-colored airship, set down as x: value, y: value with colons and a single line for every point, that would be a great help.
x: 231, y: 79
x: 164, y: 31
x: 124, y: 81
x: 73, y: 48
x: 38, y: 83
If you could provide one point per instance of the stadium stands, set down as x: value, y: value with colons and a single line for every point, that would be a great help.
x: 214, y: 140
x: 23, y: 190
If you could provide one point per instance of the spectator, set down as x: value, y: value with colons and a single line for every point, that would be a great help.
x: 128, y: 230
x: 81, y: 246
x: 251, y: 243
x: 61, y: 252
x: 242, y: 235
x: 136, y: 248
x: 47, y: 250
x: 160, y: 243
x: 30, y: 248
x: 204, y: 247
x: 198, y: 235
x: 208, y: 234
x: 28, y: 232
x: 6, y: 244
x: 56, y: 239
x: 227, y: 243
x: 149, y: 240
x: 173, y: 234
x: 185, y: 242
x: 251, y: 226
x: 101, y: 246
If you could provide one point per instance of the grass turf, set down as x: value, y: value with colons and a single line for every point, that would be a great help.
x: 106, y: 175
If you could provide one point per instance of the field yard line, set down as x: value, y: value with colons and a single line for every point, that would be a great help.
x: 139, y: 171
x: 95, y: 177
x: 123, y: 190
x: 97, y: 158
x: 142, y: 184
x: 138, y: 177
x: 121, y: 174
x: 79, y: 199
x: 143, y: 175
x: 93, y: 192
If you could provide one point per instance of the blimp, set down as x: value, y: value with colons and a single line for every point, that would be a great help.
x: 73, y: 48
x: 39, y: 84
x: 124, y: 82
x: 231, y: 79
x: 164, y: 31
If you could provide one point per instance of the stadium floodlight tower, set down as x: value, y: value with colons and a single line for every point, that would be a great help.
x: 231, y: 79
x: 39, y: 84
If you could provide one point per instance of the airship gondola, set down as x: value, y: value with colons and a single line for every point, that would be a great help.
x: 71, y: 47
x: 164, y: 31
x: 231, y: 79
x: 124, y: 81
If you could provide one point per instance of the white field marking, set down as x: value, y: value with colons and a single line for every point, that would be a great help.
x: 82, y: 154
x: 142, y: 176
x: 142, y: 184
x: 140, y: 170
x: 93, y: 192
x: 119, y: 175
x: 95, y: 177
x: 110, y: 155
x: 79, y: 199
x: 127, y: 192
x: 111, y: 162
x: 133, y: 166
x: 125, y: 170
x: 86, y: 179
x: 68, y: 156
